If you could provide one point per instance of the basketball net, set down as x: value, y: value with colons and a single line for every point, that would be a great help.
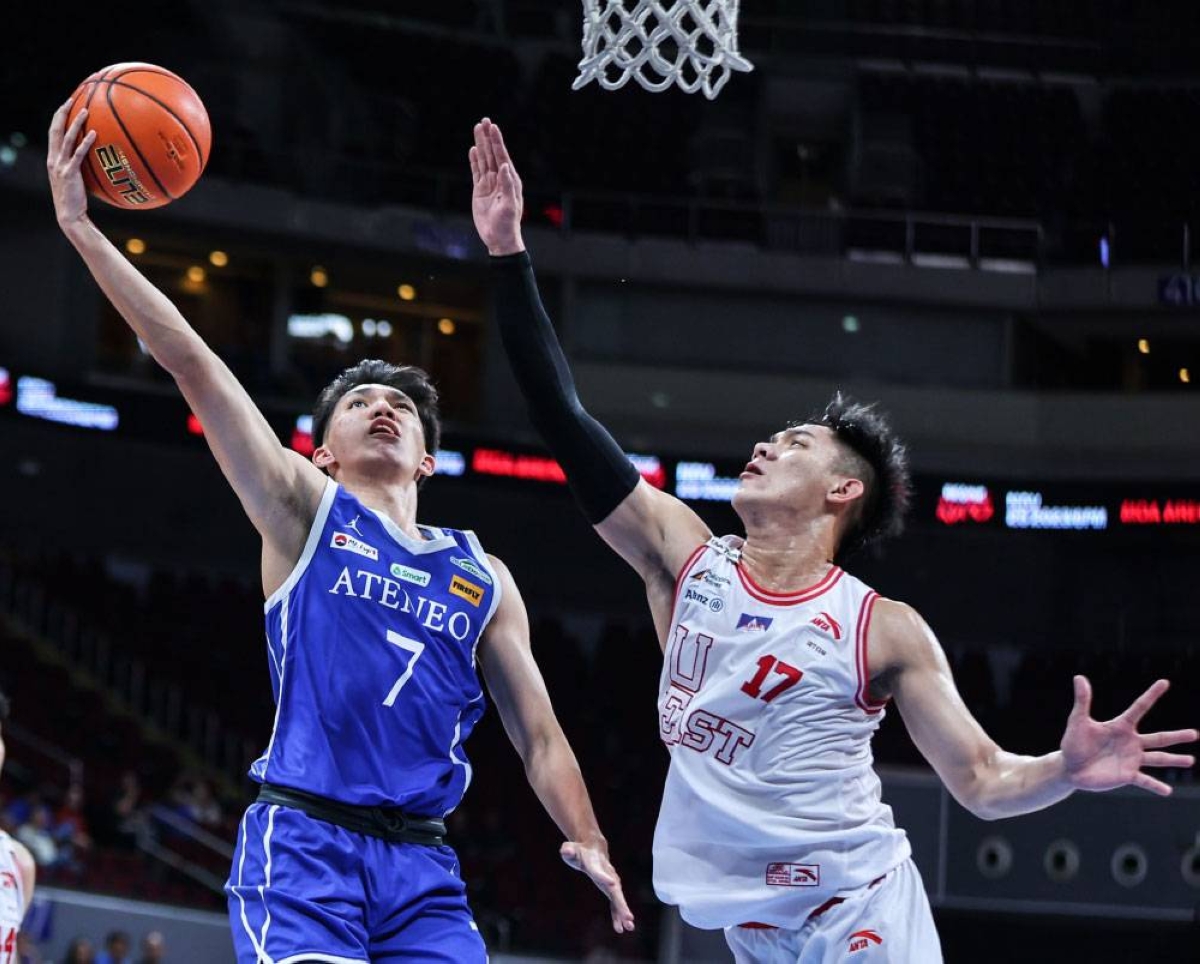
x: 690, y: 43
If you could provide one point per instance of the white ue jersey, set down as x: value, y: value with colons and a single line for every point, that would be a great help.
x: 771, y: 805
x: 12, y: 901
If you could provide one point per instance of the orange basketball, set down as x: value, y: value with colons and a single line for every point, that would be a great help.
x: 152, y: 135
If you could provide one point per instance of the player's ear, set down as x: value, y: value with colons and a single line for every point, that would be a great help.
x: 846, y: 490
x: 427, y: 466
x: 322, y: 458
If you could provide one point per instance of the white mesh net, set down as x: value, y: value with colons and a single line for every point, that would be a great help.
x: 690, y: 43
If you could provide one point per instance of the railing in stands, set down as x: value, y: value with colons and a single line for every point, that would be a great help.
x: 30, y: 743
x: 160, y: 704
x: 171, y: 826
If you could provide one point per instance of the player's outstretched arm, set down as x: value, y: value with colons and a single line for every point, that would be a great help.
x: 279, y: 489
x: 654, y: 532
x: 520, y: 696
x: 987, y: 780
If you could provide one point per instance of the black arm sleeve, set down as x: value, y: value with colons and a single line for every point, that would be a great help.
x: 598, y: 472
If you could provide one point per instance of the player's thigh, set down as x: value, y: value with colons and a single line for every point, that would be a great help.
x: 294, y: 890
x: 433, y: 921
x: 889, y: 923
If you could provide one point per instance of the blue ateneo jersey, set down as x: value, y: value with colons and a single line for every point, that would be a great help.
x: 372, y: 643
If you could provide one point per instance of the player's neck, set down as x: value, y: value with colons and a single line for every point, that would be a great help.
x: 396, y: 500
x: 785, y: 559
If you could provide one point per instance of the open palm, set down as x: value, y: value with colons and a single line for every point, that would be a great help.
x: 1103, y: 756
x: 594, y: 862
x: 497, y: 197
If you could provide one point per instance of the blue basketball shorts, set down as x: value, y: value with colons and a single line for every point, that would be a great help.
x: 305, y: 890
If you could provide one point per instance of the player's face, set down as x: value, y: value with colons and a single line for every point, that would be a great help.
x: 795, y: 467
x: 373, y: 424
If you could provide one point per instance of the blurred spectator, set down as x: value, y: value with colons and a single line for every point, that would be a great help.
x: 193, y: 798
x: 80, y: 951
x: 130, y: 825
x: 19, y: 810
x: 27, y: 950
x: 71, y: 828
x: 154, y: 948
x: 37, y: 833
x: 117, y: 947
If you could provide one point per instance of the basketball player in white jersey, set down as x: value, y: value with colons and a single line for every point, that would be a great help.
x: 778, y: 664
x: 17, y: 874
x: 378, y: 629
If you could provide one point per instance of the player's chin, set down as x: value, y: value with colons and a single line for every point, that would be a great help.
x: 744, y: 495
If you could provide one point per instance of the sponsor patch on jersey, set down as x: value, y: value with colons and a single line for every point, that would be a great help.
x: 793, y: 875
x: 418, y: 576
x: 712, y: 602
x: 709, y: 578
x: 7, y: 879
x: 471, y: 567
x: 830, y: 625
x: 861, y: 940
x: 467, y: 590
x: 347, y: 543
x: 751, y: 623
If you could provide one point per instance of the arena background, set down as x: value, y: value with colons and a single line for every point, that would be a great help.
x: 977, y: 212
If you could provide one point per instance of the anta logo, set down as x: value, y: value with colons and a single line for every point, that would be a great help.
x: 467, y: 590
x: 348, y: 543
x: 7, y: 879
x: 826, y: 622
x: 861, y: 940
x: 751, y: 623
x: 793, y: 875
x: 709, y: 578
x: 712, y: 602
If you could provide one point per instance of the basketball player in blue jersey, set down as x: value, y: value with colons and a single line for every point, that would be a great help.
x: 375, y: 626
x: 778, y: 664
x: 17, y: 874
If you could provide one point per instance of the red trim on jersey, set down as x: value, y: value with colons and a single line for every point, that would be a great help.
x: 862, y: 696
x: 828, y: 581
x: 687, y: 567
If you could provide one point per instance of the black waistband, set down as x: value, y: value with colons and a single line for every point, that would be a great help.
x: 386, y: 823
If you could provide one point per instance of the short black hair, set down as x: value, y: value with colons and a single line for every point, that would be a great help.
x: 4, y: 707
x: 873, y: 451
x: 413, y: 381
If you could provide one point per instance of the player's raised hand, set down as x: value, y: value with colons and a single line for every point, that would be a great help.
x: 1102, y: 756
x: 594, y: 862
x: 497, y: 198
x: 64, y: 157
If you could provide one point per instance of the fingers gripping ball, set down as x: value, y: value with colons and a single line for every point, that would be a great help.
x: 152, y: 135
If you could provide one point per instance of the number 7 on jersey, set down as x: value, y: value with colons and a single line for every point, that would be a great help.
x: 411, y: 645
